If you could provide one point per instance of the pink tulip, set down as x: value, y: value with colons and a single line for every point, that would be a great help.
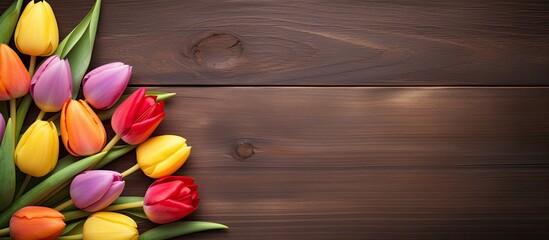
x: 96, y: 189
x: 51, y: 85
x: 137, y: 117
x: 104, y: 85
x: 170, y: 198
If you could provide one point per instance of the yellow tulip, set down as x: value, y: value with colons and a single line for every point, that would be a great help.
x: 37, y: 151
x: 163, y: 155
x: 36, y: 33
x: 110, y: 225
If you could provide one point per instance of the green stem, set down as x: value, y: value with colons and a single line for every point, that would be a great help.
x: 13, y: 116
x: 130, y: 170
x: 72, y: 215
x: 40, y: 115
x: 70, y: 237
x: 23, y: 186
x: 111, y: 144
x: 123, y: 206
x: 32, y: 65
x: 64, y: 205
x: 5, y: 231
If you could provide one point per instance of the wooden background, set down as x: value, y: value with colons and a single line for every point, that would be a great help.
x: 346, y: 119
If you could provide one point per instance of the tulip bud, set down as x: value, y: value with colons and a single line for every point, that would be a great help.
x: 170, y: 198
x: 14, y: 77
x: 163, y: 155
x: 37, y: 151
x: 104, y: 85
x: 96, y: 189
x: 2, y: 127
x: 51, y: 85
x: 137, y: 117
x: 36, y: 33
x: 82, y: 132
x: 110, y: 225
x: 34, y: 222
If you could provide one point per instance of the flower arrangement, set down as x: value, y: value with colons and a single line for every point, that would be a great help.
x: 48, y: 197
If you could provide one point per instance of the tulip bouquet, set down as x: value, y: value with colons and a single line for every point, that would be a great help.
x: 44, y: 196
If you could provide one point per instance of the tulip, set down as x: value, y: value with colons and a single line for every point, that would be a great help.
x: 163, y: 155
x: 110, y: 225
x: 37, y: 151
x: 170, y: 198
x: 137, y: 117
x: 51, y: 85
x: 96, y: 189
x: 14, y: 77
x: 82, y: 132
x: 104, y: 85
x: 36, y: 33
x: 34, y: 222
x: 2, y: 127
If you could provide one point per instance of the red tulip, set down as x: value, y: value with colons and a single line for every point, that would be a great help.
x: 137, y: 117
x: 170, y: 198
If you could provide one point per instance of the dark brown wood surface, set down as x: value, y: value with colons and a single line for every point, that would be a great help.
x: 347, y: 119
x: 327, y: 42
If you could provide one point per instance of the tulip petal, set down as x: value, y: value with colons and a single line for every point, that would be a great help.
x: 14, y: 77
x: 104, y: 86
x: 109, y: 225
x: 109, y: 197
x: 89, y: 187
x: 123, y: 116
x: 139, y: 132
x: 35, y: 222
x: 168, y: 211
x: 170, y: 164
x: 37, y: 152
x: 53, y: 86
x: 81, y: 130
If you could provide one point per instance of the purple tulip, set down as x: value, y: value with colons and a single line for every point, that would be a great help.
x: 51, y: 85
x: 2, y: 127
x: 96, y: 189
x: 104, y: 85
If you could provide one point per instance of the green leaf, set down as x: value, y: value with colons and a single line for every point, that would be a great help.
x: 22, y: 113
x: 7, y: 168
x: 41, y: 190
x: 74, y: 228
x: 175, y: 229
x: 61, y: 163
x: 114, y: 154
x: 134, y: 213
x: 77, y: 47
x: 127, y: 199
x: 8, y: 21
x: 160, y: 95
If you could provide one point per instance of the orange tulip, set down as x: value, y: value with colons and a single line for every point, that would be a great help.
x: 36, y: 222
x: 14, y: 77
x: 82, y: 132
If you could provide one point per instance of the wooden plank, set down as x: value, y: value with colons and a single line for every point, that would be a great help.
x: 364, y: 163
x: 346, y: 43
x: 322, y: 42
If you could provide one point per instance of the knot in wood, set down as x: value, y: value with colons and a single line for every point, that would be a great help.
x: 218, y: 51
x: 245, y: 150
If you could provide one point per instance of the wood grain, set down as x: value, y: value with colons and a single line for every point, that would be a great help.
x: 248, y: 42
x: 365, y: 163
